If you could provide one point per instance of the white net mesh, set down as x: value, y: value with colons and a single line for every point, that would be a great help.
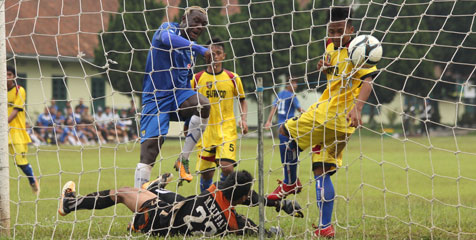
x: 408, y: 172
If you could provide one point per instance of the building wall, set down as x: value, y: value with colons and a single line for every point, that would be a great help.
x: 39, y: 85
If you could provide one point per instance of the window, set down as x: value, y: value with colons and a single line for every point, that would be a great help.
x: 98, y: 92
x: 60, y: 93
x: 21, y: 80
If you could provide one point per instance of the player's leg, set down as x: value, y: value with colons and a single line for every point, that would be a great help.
x: 154, y: 127
x: 197, y: 108
x: 226, y: 158
x: 149, y: 150
x: 206, y: 165
x: 133, y: 198
x: 289, y: 152
x: 19, y: 152
x: 326, y: 159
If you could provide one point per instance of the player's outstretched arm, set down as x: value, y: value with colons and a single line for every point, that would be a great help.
x: 354, y: 117
x: 290, y: 207
x: 175, y: 41
x: 270, y: 118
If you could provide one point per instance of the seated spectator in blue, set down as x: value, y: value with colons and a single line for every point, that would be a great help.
x: 81, y: 105
x: 71, y: 135
x: 59, y: 124
x: 77, y: 114
x: 45, y: 118
x: 53, y: 105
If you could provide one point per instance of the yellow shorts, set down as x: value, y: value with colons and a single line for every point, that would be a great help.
x: 19, y: 152
x: 327, y: 144
x: 208, y: 157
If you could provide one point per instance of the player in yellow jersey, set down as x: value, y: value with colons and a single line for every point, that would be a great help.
x: 218, y: 143
x: 327, y: 125
x: 18, y: 137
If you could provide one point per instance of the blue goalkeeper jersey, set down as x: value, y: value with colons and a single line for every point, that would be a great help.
x: 167, y: 67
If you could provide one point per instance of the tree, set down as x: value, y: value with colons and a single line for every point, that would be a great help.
x: 124, y: 46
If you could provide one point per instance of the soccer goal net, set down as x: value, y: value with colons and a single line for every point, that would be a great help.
x: 79, y: 83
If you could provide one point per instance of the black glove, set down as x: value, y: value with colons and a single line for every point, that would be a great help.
x: 290, y: 207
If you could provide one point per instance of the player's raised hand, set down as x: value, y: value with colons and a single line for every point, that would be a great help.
x: 323, y: 64
x: 354, y: 117
x: 244, y: 127
x: 290, y: 207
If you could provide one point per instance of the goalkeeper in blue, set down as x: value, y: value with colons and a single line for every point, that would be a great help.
x: 328, y: 124
x: 167, y: 94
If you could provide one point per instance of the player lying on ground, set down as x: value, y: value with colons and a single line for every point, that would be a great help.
x: 218, y: 143
x: 327, y: 124
x: 18, y: 137
x: 167, y: 94
x: 167, y: 213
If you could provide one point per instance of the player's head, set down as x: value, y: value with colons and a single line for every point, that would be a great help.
x: 339, y: 26
x: 236, y: 187
x: 217, y: 47
x: 11, y: 74
x: 292, y: 84
x: 193, y: 22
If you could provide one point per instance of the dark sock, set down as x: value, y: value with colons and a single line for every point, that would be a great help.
x: 28, y: 172
x: 96, y: 200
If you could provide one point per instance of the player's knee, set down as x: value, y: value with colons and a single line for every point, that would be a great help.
x: 320, y: 168
x: 283, y: 131
x: 227, y: 170
x: 227, y: 167
x: 149, y: 150
x: 207, y: 174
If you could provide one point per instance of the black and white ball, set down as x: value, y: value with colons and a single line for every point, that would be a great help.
x: 365, y: 50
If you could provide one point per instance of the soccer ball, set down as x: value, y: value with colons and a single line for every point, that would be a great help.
x: 365, y: 50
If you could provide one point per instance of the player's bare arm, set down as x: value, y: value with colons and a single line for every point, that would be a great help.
x: 13, y: 115
x: 244, y: 113
x: 322, y: 65
x: 270, y: 117
x: 354, y: 117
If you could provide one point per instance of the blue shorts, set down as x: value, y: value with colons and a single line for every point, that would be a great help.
x: 155, y: 116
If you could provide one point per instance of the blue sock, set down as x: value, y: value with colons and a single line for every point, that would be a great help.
x: 325, y: 198
x: 289, y: 159
x: 205, y: 184
x: 28, y: 172
x: 222, y: 177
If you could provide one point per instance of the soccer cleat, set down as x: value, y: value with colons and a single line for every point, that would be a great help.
x: 182, y: 167
x: 159, y: 183
x: 68, y: 191
x: 283, y: 190
x: 35, y: 187
x: 327, y: 232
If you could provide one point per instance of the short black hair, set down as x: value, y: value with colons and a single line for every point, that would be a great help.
x: 11, y: 69
x: 216, y: 41
x: 339, y: 13
x: 236, y: 185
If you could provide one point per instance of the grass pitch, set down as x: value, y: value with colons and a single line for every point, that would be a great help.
x: 393, y: 188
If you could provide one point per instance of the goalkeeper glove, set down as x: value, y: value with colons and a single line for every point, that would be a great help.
x: 290, y: 207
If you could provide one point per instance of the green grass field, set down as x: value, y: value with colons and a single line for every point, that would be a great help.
x: 421, y: 188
